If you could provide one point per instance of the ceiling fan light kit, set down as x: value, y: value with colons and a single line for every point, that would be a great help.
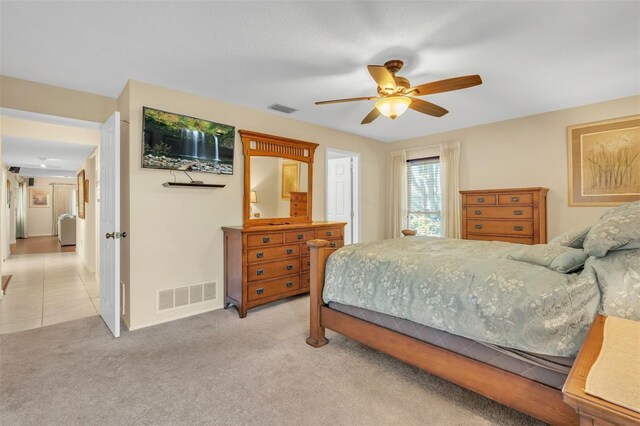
x: 393, y: 106
x: 396, y: 94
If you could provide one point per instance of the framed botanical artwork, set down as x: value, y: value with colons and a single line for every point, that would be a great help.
x: 290, y: 179
x: 38, y: 198
x: 604, y: 162
x: 80, y: 194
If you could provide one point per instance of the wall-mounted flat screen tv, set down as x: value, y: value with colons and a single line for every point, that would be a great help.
x: 178, y: 142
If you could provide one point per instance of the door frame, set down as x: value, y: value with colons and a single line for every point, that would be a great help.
x: 355, y: 189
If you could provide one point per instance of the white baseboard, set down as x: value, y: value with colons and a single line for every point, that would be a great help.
x: 40, y: 235
x: 177, y: 317
x: 126, y: 323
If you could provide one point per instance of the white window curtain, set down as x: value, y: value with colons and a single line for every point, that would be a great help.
x: 450, y: 187
x: 62, y: 203
x: 21, y: 211
x: 397, y: 195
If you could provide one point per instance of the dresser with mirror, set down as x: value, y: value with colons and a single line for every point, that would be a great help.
x: 267, y: 258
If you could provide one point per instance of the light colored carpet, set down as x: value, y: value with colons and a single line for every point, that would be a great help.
x: 216, y: 368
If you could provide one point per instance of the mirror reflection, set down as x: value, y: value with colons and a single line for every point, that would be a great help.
x: 279, y: 187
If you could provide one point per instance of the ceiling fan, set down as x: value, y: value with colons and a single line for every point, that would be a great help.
x: 396, y: 94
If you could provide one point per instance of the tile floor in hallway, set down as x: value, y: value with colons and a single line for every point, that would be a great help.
x: 47, y: 289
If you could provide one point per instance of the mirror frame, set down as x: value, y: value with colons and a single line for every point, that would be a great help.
x: 275, y: 146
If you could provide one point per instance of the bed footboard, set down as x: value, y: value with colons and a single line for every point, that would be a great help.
x: 526, y: 395
x: 320, y: 251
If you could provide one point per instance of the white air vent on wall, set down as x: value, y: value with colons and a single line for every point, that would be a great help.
x: 209, y: 291
x: 186, y: 295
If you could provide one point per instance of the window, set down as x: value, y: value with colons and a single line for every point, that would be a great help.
x: 423, y: 195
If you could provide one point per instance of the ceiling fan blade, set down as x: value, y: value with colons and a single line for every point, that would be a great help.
x: 371, y: 116
x: 427, y: 107
x: 447, y: 85
x: 383, y: 77
x: 337, y: 101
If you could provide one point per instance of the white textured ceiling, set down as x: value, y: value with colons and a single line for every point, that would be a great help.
x: 61, y: 159
x: 533, y: 56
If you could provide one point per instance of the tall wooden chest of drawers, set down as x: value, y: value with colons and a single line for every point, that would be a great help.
x: 267, y: 263
x: 515, y: 215
x: 298, y: 204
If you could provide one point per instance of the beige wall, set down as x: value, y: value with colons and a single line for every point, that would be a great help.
x: 175, y: 237
x: 45, y: 99
x: 31, y: 129
x: 86, y: 228
x: 40, y: 219
x: 529, y: 151
x: 4, y: 216
x: 12, y: 206
x: 125, y: 222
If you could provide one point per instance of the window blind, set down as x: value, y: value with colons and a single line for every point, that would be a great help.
x: 423, y: 195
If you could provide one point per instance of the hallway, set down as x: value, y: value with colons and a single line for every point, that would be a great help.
x: 34, y: 245
x: 47, y: 289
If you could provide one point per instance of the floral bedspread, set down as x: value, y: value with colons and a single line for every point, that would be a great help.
x: 468, y: 288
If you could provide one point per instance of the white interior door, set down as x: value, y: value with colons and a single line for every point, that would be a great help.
x: 110, y: 223
x: 339, y: 200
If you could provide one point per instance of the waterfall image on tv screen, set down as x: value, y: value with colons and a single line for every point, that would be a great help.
x: 177, y: 142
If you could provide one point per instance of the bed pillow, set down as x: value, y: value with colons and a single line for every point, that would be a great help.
x: 617, y: 210
x: 571, y: 239
x: 618, y: 276
x: 557, y: 258
x: 619, y: 229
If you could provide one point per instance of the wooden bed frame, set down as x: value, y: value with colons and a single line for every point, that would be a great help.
x: 528, y: 396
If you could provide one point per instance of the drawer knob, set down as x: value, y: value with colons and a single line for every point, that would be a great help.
x: 260, y: 290
x: 300, y: 236
x: 289, y: 267
x: 481, y: 200
x: 515, y: 199
x: 329, y: 233
x: 289, y: 284
x: 478, y: 226
x: 477, y: 212
x: 260, y: 255
x: 260, y: 272
x: 289, y: 251
x: 266, y: 240
x: 332, y: 244
x: 518, y: 228
x: 517, y: 212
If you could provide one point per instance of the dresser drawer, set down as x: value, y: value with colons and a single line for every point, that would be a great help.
x: 306, y: 264
x: 480, y: 199
x: 511, y: 227
x: 299, y: 236
x: 505, y: 238
x: 329, y: 233
x: 273, y: 269
x: 515, y: 212
x: 305, y: 280
x: 271, y: 253
x: 298, y: 205
x: 264, y: 289
x: 337, y: 243
x: 524, y: 198
x: 259, y: 240
x: 298, y: 212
